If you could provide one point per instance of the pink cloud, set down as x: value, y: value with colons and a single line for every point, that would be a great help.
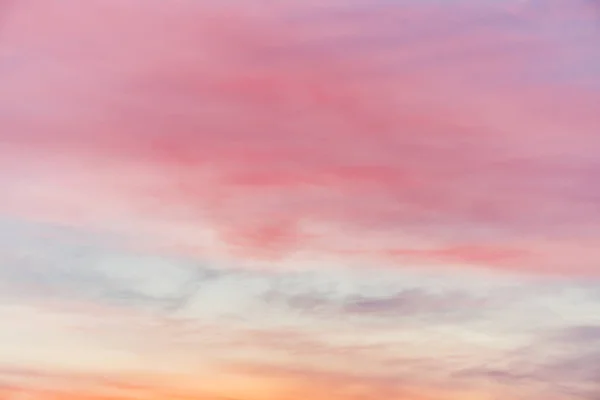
x: 228, y: 118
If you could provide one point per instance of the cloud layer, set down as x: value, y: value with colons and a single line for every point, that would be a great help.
x: 184, y: 328
x: 341, y: 200
x: 464, y: 140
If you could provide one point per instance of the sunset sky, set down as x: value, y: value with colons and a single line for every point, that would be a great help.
x: 299, y: 200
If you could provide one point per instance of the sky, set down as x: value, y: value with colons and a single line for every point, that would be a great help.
x: 285, y: 200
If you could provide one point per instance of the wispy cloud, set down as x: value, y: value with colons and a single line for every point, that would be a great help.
x: 411, y: 304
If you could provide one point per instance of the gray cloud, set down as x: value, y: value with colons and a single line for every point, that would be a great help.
x: 410, y: 303
x: 562, y: 362
x: 588, y: 335
x: 414, y: 301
